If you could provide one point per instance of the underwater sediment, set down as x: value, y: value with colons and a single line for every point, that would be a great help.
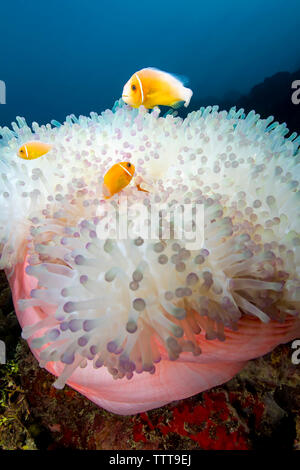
x: 137, y: 322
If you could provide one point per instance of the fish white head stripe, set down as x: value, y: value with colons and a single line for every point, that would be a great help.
x: 141, y: 87
x: 25, y: 147
x: 125, y: 169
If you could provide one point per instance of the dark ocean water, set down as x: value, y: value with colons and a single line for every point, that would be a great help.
x: 62, y: 57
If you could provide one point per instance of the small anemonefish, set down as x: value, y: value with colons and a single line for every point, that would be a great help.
x: 33, y: 150
x: 117, y: 178
x: 151, y: 87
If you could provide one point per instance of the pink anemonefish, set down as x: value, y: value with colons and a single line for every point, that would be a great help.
x: 117, y: 178
x: 33, y: 150
x: 151, y: 87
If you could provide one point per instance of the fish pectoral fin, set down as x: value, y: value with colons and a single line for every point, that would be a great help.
x: 178, y: 104
x: 153, y: 97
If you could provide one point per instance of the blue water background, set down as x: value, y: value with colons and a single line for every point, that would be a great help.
x: 70, y: 56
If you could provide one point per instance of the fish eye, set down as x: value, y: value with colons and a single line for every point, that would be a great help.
x: 21, y: 151
x: 128, y: 165
x: 133, y: 87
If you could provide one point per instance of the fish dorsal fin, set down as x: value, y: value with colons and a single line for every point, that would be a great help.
x: 181, y: 78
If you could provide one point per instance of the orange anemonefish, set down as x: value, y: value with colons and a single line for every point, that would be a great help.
x: 117, y: 178
x: 33, y: 150
x: 151, y: 87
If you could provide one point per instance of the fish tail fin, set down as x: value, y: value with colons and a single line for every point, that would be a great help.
x: 106, y: 191
x: 187, y: 96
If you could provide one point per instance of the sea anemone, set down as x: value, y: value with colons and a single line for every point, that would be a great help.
x: 136, y: 322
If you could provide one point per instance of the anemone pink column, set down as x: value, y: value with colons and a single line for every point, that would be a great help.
x: 171, y: 380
